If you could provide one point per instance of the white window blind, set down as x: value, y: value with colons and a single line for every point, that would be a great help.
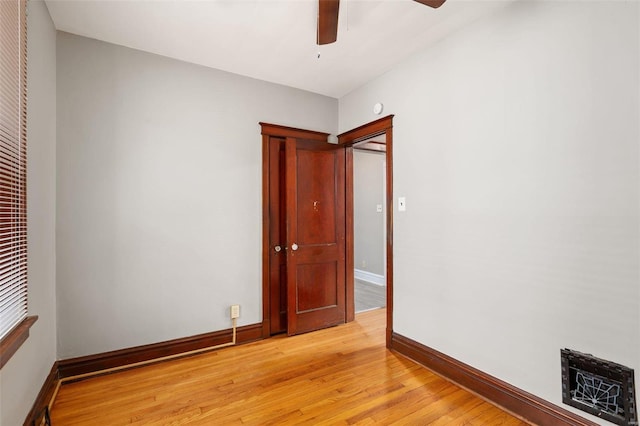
x: 13, y: 164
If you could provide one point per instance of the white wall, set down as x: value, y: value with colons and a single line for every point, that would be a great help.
x: 368, y: 224
x: 23, y: 376
x: 159, y: 194
x: 516, y: 146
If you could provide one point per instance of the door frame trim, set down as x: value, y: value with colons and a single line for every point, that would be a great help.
x: 268, y: 131
x: 378, y: 127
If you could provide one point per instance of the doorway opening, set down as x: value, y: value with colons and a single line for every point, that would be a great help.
x: 370, y: 136
x: 369, y: 217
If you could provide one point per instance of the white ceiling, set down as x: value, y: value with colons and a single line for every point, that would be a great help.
x: 273, y: 40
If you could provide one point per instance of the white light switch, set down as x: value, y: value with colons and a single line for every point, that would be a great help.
x: 379, y: 208
x: 402, y: 204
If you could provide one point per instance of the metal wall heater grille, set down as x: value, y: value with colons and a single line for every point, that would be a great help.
x: 598, y: 387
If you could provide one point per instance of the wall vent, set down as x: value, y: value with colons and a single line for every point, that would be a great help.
x: 599, y: 387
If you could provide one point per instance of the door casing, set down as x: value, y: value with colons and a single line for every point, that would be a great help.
x: 375, y: 128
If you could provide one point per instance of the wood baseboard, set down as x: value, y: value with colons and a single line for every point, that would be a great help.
x: 114, y: 359
x: 44, y: 397
x: 109, y: 360
x: 512, y: 399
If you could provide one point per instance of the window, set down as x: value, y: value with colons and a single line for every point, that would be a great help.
x: 14, y: 323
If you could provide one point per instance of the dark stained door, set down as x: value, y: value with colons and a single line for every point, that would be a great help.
x: 315, y: 234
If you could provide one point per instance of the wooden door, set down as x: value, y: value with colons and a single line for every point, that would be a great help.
x: 315, y: 234
x: 318, y: 299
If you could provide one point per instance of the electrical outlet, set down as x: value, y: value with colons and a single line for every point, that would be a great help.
x: 235, y: 311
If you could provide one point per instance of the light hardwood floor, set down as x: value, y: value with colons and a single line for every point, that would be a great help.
x: 341, y: 375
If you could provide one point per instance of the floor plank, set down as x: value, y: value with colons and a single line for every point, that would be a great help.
x: 342, y: 375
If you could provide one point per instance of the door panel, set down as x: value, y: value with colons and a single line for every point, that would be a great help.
x: 316, y: 286
x: 316, y: 200
x: 315, y: 230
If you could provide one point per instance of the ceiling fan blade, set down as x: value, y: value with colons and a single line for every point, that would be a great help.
x: 328, y: 21
x: 432, y: 3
